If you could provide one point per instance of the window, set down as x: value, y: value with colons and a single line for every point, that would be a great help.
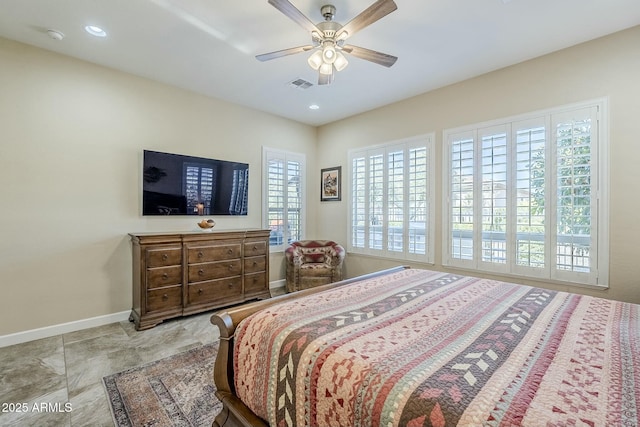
x: 283, y: 195
x: 391, y: 188
x: 527, y: 196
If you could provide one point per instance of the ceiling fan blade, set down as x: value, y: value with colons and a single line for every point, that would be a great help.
x: 292, y: 12
x: 376, y: 11
x: 284, y: 52
x: 370, y: 55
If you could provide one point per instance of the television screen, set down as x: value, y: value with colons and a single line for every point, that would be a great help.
x: 174, y: 184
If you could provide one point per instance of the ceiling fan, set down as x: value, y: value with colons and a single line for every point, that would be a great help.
x: 328, y: 38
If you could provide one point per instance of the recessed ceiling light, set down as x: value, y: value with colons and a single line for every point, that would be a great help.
x: 314, y: 107
x: 95, y: 31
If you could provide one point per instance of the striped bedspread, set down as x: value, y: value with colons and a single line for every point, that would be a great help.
x: 424, y: 348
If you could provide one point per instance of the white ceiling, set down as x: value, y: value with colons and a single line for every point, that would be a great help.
x: 209, y: 46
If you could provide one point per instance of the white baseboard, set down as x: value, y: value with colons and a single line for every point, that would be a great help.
x: 278, y: 284
x: 63, y: 328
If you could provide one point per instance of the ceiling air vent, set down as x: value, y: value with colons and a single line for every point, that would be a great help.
x: 300, y: 84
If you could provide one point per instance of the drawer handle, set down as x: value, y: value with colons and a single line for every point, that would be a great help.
x: 165, y: 257
x: 255, y: 263
x: 230, y: 251
x: 200, y: 272
x: 165, y: 297
x: 200, y: 291
x: 230, y: 266
x: 255, y: 248
x: 165, y: 276
x: 230, y: 285
x: 200, y: 254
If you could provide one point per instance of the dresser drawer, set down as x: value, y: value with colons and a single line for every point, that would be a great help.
x: 163, y: 256
x: 255, y: 248
x: 255, y: 283
x: 215, y: 290
x: 164, y: 276
x: 214, y: 270
x: 164, y: 298
x: 200, y: 254
x: 255, y: 264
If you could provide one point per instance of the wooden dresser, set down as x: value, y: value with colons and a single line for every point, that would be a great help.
x: 177, y: 274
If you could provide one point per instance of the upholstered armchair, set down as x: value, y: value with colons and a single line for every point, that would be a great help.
x: 313, y: 262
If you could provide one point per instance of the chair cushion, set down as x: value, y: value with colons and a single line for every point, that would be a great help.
x: 316, y: 269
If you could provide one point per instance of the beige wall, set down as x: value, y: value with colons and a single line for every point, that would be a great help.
x: 71, y: 141
x: 72, y: 134
x: 607, y: 67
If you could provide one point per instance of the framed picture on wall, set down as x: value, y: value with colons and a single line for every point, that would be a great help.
x: 330, y: 186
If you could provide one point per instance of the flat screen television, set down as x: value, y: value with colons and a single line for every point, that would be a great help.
x: 174, y: 184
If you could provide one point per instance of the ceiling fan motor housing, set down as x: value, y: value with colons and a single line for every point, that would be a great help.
x: 329, y: 29
x: 328, y: 11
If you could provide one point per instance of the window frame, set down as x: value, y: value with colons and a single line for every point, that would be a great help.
x: 598, y: 276
x: 425, y: 141
x: 287, y: 156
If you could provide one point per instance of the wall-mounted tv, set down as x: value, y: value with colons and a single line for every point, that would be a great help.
x: 174, y: 184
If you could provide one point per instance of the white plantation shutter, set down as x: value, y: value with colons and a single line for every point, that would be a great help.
x: 526, y: 196
x: 390, y: 191
x: 493, y: 198
x: 376, y: 212
x: 419, y: 203
x: 294, y: 198
x: 359, y: 228
x: 395, y: 199
x: 530, y: 210
x: 461, y: 199
x: 283, y: 196
x: 574, y: 242
x: 275, y: 202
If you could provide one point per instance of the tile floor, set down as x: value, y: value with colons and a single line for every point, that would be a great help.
x: 68, y: 369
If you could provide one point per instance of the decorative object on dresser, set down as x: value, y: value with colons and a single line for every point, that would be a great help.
x: 178, y: 274
x: 313, y: 262
x: 207, y: 224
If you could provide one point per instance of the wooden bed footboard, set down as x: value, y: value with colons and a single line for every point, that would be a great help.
x: 234, y: 412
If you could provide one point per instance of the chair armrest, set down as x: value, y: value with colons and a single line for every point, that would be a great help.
x: 336, y: 255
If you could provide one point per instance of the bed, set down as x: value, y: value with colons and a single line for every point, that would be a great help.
x: 413, y: 347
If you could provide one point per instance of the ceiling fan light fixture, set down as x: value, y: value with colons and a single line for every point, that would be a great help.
x: 326, y: 69
x: 315, y: 60
x: 329, y: 53
x: 340, y: 62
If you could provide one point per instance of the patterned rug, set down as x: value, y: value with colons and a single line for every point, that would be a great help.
x: 176, y: 391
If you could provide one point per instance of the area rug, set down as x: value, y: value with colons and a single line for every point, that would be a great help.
x: 175, y: 391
